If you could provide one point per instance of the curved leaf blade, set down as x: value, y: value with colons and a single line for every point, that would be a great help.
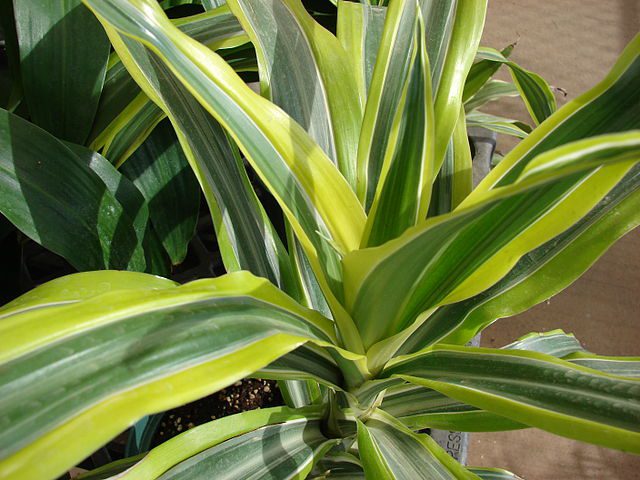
x: 63, y: 57
x: 532, y: 388
x: 54, y: 197
x: 111, y: 359
x: 432, y: 264
x: 204, y: 437
x: 161, y: 172
x: 541, y: 273
x: 389, y: 450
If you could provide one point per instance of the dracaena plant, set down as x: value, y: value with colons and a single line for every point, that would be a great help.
x: 393, y: 262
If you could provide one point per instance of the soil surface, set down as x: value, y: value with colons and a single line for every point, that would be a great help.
x: 247, y: 394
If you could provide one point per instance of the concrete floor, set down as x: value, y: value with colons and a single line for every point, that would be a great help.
x: 572, y: 43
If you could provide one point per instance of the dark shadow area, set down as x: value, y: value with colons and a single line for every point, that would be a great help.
x: 62, y: 71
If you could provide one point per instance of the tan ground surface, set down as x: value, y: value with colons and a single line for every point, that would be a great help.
x: 572, y: 43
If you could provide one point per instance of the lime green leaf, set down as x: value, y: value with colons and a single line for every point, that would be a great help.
x: 457, y: 57
x: 455, y: 178
x: 532, y: 388
x: 81, y: 286
x: 126, y: 117
x: 555, y: 343
x: 534, y: 90
x: 338, y: 465
x: 498, y: 124
x: 541, y: 273
x: 492, y: 90
x: 111, y: 359
x: 305, y: 362
x: 288, y: 450
x: 63, y: 57
x: 456, y: 256
x: 245, y: 235
x: 54, y: 197
x: 609, y: 107
x: 419, y: 407
x: 389, y: 450
x: 322, y: 209
x: 403, y: 188
x: 305, y: 71
x: 400, y: 71
x: 359, y: 30
x: 567, y: 347
x: 481, y: 73
x: 290, y: 163
x: 228, y: 435
x: 162, y: 174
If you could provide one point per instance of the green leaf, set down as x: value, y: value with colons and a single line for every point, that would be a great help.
x: 492, y: 90
x: 55, y: 197
x: 457, y: 56
x: 609, y: 107
x: 288, y: 450
x: 455, y: 256
x: 498, y: 124
x: 81, y: 286
x: 534, y: 89
x: 134, y: 205
x: 532, y: 388
x: 193, y: 451
x: 419, y: 407
x: 305, y: 71
x: 359, y: 30
x: 11, y: 95
x: 567, y: 347
x: 541, y: 273
x: 389, y: 450
x: 323, y: 211
x: 162, y: 174
x: 111, y: 359
x: 126, y: 117
x: 403, y: 186
x: 481, y: 73
x: 63, y: 58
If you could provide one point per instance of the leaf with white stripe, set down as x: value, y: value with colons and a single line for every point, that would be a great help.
x: 419, y: 407
x: 541, y: 273
x: 305, y: 71
x: 443, y: 260
x: 125, y: 116
x: 403, y: 187
x: 113, y: 358
x: 609, y: 107
x: 210, y: 449
x: 492, y: 90
x: 389, y: 450
x: 534, y: 90
x: 532, y: 388
x: 316, y: 199
x: 359, y: 30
